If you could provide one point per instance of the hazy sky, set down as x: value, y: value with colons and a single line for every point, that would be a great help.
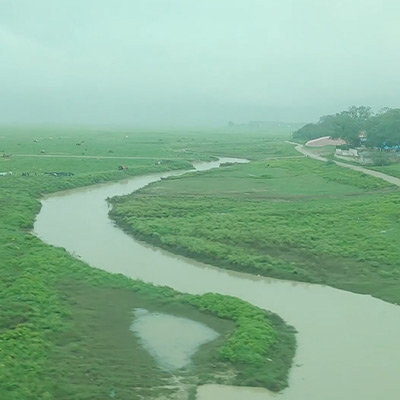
x: 183, y: 62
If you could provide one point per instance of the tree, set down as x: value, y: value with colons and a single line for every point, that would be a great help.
x: 346, y: 125
x: 360, y: 114
x: 311, y: 131
x: 384, y: 129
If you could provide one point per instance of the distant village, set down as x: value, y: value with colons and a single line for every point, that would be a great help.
x: 358, y: 134
x: 361, y: 154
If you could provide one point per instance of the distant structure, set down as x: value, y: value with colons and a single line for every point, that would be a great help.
x: 347, y: 153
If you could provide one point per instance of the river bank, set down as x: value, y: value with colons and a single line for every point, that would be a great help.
x: 294, y: 219
x: 331, y: 324
x: 246, y: 369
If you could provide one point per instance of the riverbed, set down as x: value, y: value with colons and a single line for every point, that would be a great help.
x: 348, y: 344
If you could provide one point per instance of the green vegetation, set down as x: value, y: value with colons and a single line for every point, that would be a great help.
x: 260, y: 348
x: 357, y: 125
x: 294, y: 219
x: 393, y: 169
x: 153, y: 146
x: 64, y: 326
x: 252, y: 146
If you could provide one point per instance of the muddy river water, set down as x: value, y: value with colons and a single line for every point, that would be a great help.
x: 348, y: 344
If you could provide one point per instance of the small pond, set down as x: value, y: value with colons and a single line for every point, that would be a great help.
x: 171, y: 340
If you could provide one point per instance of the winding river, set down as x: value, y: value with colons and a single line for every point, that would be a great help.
x: 348, y: 344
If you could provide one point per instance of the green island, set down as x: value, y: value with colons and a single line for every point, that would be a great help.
x: 296, y: 219
x: 64, y: 326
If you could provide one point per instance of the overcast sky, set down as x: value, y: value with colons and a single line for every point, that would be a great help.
x: 195, y: 62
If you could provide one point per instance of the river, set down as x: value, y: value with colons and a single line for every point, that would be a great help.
x: 348, y: 344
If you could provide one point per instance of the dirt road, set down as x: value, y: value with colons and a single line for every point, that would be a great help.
x: 388, y: 178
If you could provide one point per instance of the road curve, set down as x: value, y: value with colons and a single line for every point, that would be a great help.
x: 388, y: 178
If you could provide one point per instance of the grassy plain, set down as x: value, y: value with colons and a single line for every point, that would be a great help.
x: 296, y: 219
x: 64, y: 326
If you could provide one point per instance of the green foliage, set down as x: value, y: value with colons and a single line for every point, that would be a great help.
x: 312, y: 131
x: 384, y: 129
x: 261, y: 344
x: 254, y: 335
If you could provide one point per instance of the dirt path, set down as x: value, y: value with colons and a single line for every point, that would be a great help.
x: 388, y: 178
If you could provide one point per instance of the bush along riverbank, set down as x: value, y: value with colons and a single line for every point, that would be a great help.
x: 64, y: 327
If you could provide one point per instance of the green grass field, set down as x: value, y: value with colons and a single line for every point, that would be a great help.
x: 64, y: 326
x: 296, y: 219
x: 153, y: 145
x: 392, y: 169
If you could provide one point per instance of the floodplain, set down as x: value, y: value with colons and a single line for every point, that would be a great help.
x: 64, y: 330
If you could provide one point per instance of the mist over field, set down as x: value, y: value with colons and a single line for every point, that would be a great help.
x: 194, y: 63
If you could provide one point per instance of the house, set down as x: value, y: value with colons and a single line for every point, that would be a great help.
x: 347, y: 153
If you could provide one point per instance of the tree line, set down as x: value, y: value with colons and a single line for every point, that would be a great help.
x: 356, y: 126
